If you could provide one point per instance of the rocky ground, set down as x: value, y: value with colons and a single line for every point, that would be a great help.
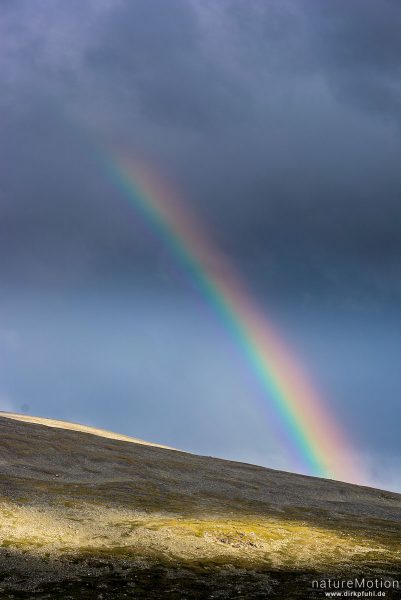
x: 89, y: 514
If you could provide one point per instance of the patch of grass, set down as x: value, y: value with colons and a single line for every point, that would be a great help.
x: 22, y: 544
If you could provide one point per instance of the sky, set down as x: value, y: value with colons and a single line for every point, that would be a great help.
x: 279, y: 124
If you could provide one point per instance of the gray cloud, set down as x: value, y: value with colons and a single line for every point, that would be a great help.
x: 359, y: 49
x: 258, y: 110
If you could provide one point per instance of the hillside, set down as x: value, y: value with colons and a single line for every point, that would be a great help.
x: 90, y: 514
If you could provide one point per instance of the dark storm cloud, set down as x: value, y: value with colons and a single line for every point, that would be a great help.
x: 152, y: 52
x: 277, y: 120
x: 359, y: 47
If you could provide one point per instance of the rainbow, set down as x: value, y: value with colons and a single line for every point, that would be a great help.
x: 308, y: 435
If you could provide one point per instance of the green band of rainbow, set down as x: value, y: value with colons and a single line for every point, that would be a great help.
x: 310, y: 433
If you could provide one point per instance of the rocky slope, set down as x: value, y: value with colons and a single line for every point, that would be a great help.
x: 90, y: 514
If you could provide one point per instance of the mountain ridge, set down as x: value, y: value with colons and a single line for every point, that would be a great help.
x: 80, y: 506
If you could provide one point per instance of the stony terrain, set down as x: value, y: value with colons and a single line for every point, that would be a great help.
x: 90, y: 514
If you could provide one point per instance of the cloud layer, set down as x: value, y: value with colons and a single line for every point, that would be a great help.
x: 282, y: 115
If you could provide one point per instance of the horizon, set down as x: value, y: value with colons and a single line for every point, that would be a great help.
x: 88, y: 429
